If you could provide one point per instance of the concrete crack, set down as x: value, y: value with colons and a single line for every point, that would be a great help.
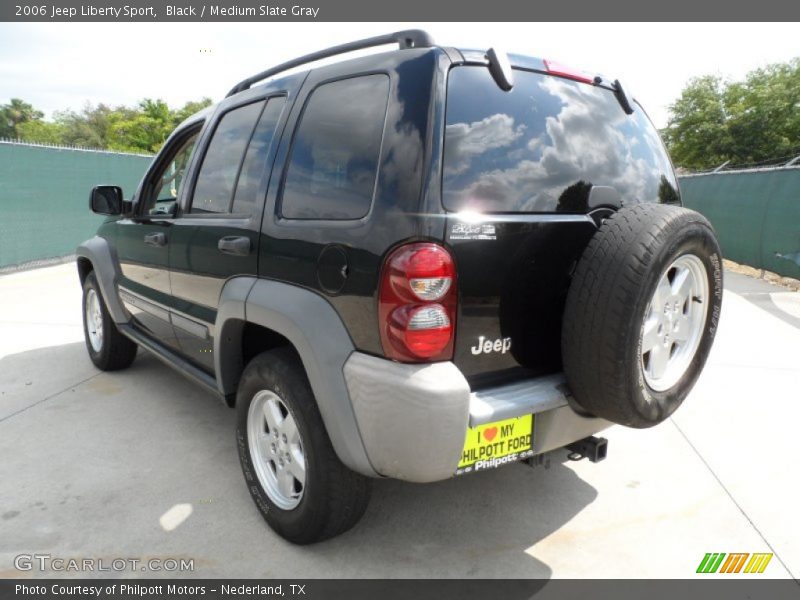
x: 46, y: 398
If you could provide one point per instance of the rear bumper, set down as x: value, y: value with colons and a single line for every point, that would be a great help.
x: 413, y: 418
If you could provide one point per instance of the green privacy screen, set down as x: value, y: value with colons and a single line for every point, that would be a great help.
x: 756, y: 215
x: 44, y: 197
x: 44, y: 205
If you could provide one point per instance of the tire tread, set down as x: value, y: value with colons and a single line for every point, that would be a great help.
x: 598, y: 327
x: 346, y: 493
x: 118, y: 351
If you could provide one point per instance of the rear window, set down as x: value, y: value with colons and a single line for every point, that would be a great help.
x: 541, y: 146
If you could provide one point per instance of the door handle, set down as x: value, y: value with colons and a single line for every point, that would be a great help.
x: 239, y: 246
x: 155, y: 239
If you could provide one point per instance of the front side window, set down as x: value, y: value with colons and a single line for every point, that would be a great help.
x: 169, y: 181
x: 213, y: 191
x: 336, y: 149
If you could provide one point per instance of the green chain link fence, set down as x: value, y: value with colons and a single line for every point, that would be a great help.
x: 44, y: 196
x: 756, y: 214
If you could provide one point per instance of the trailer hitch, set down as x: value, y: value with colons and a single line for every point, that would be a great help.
x: 593, y: 448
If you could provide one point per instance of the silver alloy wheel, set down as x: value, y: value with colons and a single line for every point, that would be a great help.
x: 94, y: 320
x: 276, y: 449
x: 674, y: 322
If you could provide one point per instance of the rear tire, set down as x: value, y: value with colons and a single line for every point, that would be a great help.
x: 307, y: 504
x: 108, y: 349
x: 641, y: 314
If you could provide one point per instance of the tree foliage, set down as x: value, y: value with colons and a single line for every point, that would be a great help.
x: 749, y: 122
x: 142, y: 128
x: 16, y: 113
x: 39, y: 131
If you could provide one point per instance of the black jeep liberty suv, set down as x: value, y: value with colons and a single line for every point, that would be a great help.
x: 416, y: 264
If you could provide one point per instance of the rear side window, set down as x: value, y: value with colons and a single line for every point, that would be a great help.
x: 255, y: 161
x: 336, y: 149
x: 213, y: 191
x: 541, y: 146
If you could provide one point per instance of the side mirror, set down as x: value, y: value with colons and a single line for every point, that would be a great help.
x: 106, y: 200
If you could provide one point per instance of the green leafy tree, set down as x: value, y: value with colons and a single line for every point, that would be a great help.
x: 144, y: 131
x: 91, y: 126
x: 764, y: 114
x: 747, y: 122
x: 189, y: 109
x: 41, y: 132
x: 696, y: 133
x: 13, y: 114
x: 143, y: 128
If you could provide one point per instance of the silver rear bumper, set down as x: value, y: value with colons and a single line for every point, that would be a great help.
x: 413, y: 418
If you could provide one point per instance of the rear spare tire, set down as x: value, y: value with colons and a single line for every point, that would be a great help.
x: 641, y: 313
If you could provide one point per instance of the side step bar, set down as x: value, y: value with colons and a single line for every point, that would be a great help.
x: 171, y: 358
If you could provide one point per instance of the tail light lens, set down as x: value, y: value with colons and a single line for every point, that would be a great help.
x: 417, y: 303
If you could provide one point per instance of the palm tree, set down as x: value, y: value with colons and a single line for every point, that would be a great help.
x: 15, y: 112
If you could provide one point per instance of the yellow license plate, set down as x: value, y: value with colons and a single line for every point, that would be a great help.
x: 494, y: 444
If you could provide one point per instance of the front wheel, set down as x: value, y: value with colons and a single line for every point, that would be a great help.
x: 295, y: 478
x: 108, y: 349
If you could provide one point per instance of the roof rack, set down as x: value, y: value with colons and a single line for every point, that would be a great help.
x: 410, y: 38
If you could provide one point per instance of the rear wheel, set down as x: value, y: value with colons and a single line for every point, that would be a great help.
x: 295, y: 478
x: 641, y: 313
x: 108, y: 349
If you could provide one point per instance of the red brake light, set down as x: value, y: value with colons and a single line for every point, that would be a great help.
x: 576, y: 74
x: 417, y: 303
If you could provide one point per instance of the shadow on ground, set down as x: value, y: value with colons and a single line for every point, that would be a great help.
x: 92, y: 461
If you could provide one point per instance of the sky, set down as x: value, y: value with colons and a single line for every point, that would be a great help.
x: 57, y: 66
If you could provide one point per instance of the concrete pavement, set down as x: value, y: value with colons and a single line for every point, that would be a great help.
x: 142, y: 463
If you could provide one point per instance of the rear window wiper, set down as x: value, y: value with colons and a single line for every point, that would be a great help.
x: 622, y: 97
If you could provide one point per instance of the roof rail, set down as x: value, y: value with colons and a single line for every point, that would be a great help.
x: 410, y: 38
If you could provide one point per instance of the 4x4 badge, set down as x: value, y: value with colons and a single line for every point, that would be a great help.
x: 473, y: 231
x: 485, y: 346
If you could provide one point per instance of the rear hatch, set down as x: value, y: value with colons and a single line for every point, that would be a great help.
x: 522, y: 172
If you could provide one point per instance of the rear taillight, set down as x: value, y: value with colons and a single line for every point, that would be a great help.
x: 417, y: 303
x: 553, y: 68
